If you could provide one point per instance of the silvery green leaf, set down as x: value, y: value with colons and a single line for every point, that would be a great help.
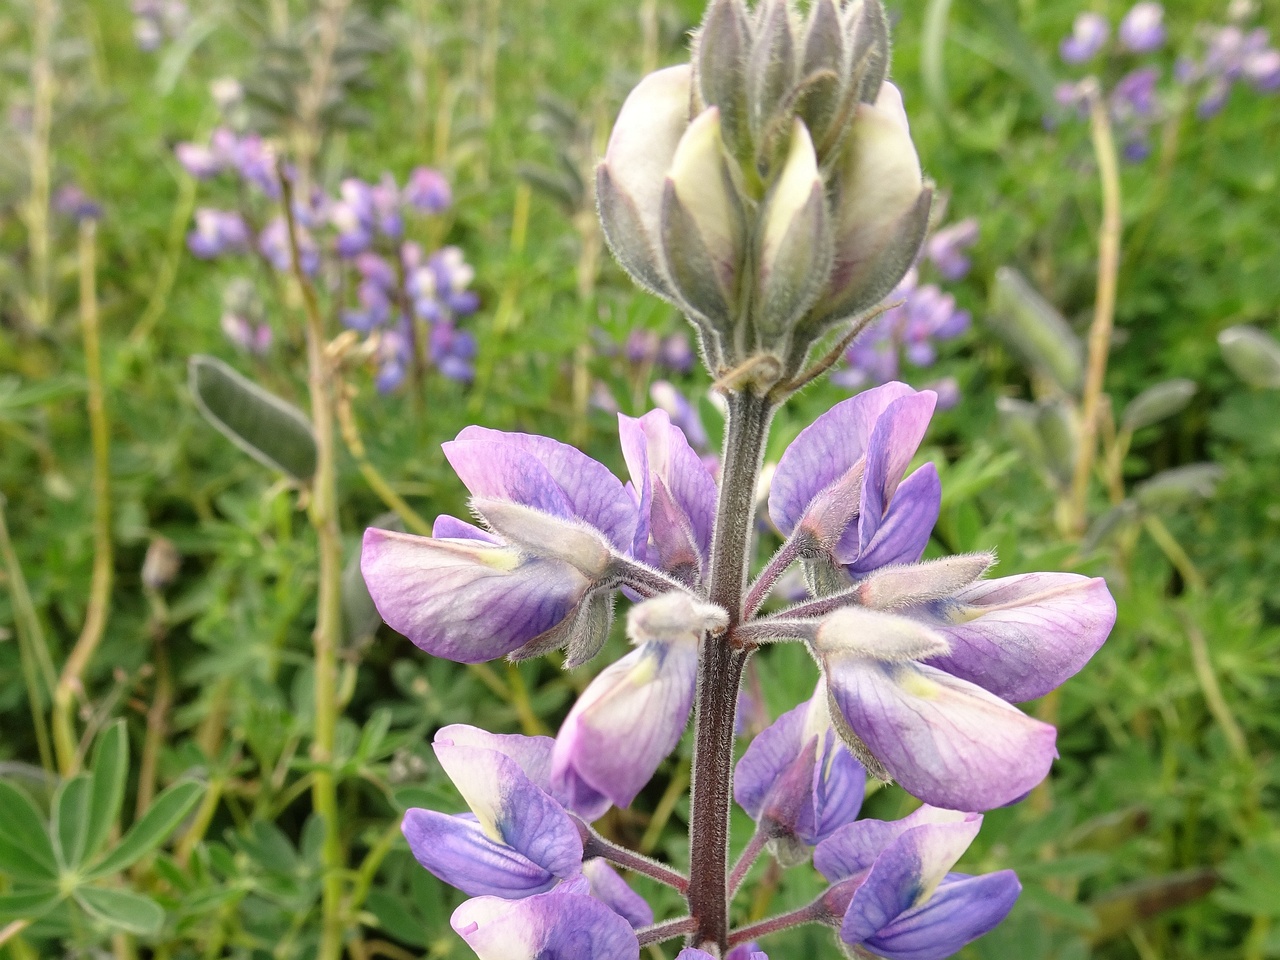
x: 273, y: 432
x: 1035, y: 329
x: 1157, y: 403
x: 1252, y: 355
x: 1177, y: 487
x: 1118, y: 518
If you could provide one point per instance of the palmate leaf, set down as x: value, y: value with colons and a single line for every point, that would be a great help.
x: 26, y: 852
x: 70, y: 819
x: 110, y: 767
x: 267, y: 428
x: 28, y: 905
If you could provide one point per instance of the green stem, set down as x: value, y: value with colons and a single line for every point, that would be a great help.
x: 43, y: 86
x: 32, y: 646
x: 328, y: 631
x: 1104, y: 147
x: 71, y: 681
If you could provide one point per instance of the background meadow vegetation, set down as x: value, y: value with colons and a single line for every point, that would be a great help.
x: 181, y: 702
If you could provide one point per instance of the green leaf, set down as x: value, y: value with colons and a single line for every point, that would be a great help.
x: 273, y: 432
x: 1157, y: 403
x: 1253, y: 355
x: 28, y: 904
x: 70, y: 819
x: 160, y: 820
x: 26, y: 853
x: 110, y: 767
x: 1034, y: 327
x: 122, y: 909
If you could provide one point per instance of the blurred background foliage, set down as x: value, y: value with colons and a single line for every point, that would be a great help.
x: 1158, y: 835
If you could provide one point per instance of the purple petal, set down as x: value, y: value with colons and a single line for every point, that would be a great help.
x: 945, y: 740
x: 906, y: 874
x: 893, y: 442
x: 451, y: 528
x: 626, y: 722
x: 825, y: 450
x: 562, y: 924
x: 747, y: 951
x: 609, y: 888
x: 904, y: 532
x: 510, y: 808
x: 456, y: 850
x: 500, y: 460
x: 692, y: 953
x: 855, y: 848
x: 963, y: 909
x: 531, y: 754
x: 657, y: 450
x: 766, y: 758
x: 1020, y: 637
x: 465, y: 600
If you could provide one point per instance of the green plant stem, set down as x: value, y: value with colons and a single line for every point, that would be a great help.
x: 44, y: 16
x: 720, y: 666
x: 1104, y: 148
x: 33, y: 649
x: 323, y: 515
x: 372, y: 476
x: 71, y: 681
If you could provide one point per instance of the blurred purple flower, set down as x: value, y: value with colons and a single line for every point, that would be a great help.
x: 1142, y: 29
x: 72, y: 202
x: 428, y: 191
x: 273, y: 244
x: 667, y: 397
x: 1088, y: 35
x: 218, y: 232
x: 247, y: 336
x: 947, y: 247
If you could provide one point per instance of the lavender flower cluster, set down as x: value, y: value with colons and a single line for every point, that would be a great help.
x: 357, y: 244
x: 1231, y: 54
x: 921, y: 315
x: 155, y: 21
x: 716, y: 195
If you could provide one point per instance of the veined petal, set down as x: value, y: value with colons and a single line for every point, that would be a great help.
x: 747, y: 951
x: 906, y: 874
x: 466, y: 600
x: 945, y: 740
x: 511, y: 809
x: 654, y: 447
x: 627, y: 722
x: 766, y: 758
x: 456, y: 850
x: 855, y: 847
x: 893, y: 442
x: 451, y: 528
x: 532, y: 754
x: 904, y: 531
x: 609, y: 888
x: 558, y: 925
x: 963, y: 909
x: 496, y: 464
x: 825, y: 450
x: 1020, y: 637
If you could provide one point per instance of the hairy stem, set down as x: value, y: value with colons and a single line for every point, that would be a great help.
x: 667, y: 930
x: 328, y: 631
x: 1104, y: 310
x: 71, y: 681
x: 813, y: 913
x: 594, y: 845
x: 781, y: 562
x: 745, y: 862
x: 720, y: 671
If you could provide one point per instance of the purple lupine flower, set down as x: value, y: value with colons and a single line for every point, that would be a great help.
x: 246, y: 335
x: 71, y: 201
x: 452, y: 275
x: 948, y: 391
x: 218, y: 232
x: 518, y: 839
x: 453, y: 351
x: 467, y: 594
x: 668, y: 398
x: 255, y: 162
x: 893, y: 892
x: 374, y: 310
x: 395, y: 354
x: 924, y: 692
x: 676, y: 354
x: 273, y: 244
x: 634, y: 712
x: 675, y: 496
x: 609, y: 888
x: 747, y: 951
x: 1134, y: 94
x: 1262, y: 69
x: 427, y: 190
x: 947, y: 247
x: 375, y: 269
x: 199, y: 161
x: 1089, y: 33
x: 1142, y: 29
x: 798, y: 781
x: 841, y: 481
x: 385, y: 197
x: 602, y: 398
x: 641, y: 347
x: 566, y: 923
